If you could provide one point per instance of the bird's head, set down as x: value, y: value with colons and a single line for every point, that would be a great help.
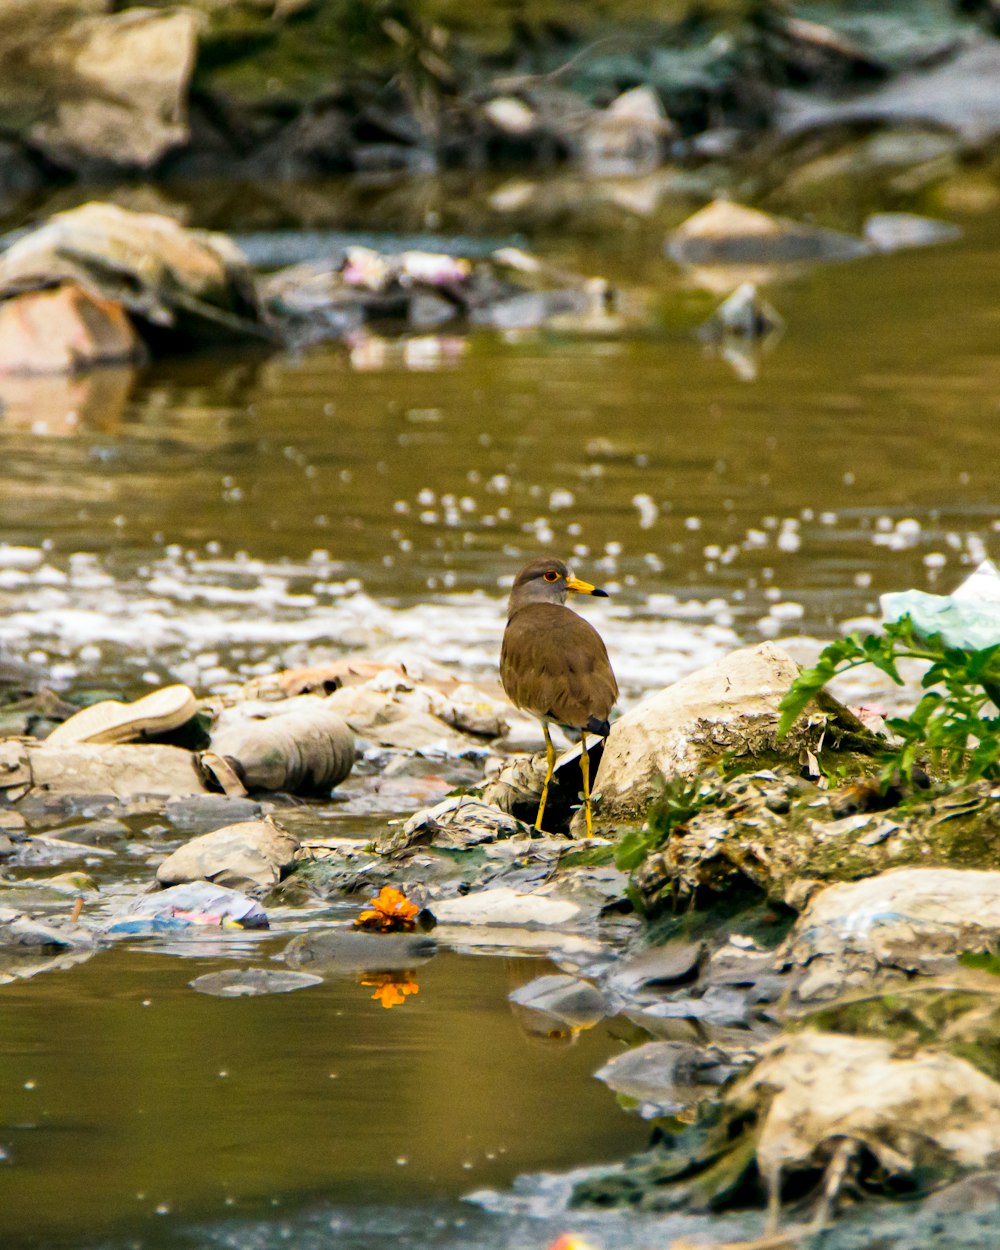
x: 548, y: 580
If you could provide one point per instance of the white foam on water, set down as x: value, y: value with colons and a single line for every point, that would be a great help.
x: 213, y: 623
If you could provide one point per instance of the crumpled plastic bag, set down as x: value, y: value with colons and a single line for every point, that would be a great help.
x: 969, y: 617
x: 181, y: 906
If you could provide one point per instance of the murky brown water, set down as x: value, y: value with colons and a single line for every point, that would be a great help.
x: 209, y: 519
x: 429, y: 469
x: 129, y: 1099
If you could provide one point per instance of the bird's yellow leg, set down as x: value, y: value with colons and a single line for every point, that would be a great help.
x: 585, y: 770
x: 550, y: 764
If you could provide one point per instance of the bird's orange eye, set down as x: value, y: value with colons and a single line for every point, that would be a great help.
x: 551, y: 576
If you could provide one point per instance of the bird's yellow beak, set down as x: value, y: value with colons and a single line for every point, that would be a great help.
x: 585, y: 588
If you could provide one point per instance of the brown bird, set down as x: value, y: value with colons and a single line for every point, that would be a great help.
x: 554, y: 664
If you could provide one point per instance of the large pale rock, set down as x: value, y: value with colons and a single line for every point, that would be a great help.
x: 253, y: 852
x: 64, y: 330
x: 914, y: 1113
x: 866, y: 935
x: 118, y: 88
x: 729, y: 706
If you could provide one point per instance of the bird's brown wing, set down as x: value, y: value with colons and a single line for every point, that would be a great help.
x: 554, y: 663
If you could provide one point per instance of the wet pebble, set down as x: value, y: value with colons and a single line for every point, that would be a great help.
x: 204, y: 813
x: 667, y: 1077
x: 96, y: 832
x: 332, y: 951
x: 658, y: 965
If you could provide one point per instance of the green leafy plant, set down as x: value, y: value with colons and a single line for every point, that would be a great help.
x: 949, y: 729
x: 679, y: 800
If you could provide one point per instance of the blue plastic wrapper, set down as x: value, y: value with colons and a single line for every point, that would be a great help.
x: 967, y: 618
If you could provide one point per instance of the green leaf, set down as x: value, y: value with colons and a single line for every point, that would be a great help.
x: 632, y: 849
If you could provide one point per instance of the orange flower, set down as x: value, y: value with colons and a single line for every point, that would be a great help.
x: 390, y: 909
x: 389, y: 991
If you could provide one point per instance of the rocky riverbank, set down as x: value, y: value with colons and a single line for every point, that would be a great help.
x: 807, y: 956
x: 242, y: 91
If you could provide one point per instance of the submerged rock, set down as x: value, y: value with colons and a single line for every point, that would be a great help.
x: 252, y: 853
x: 252, y: 982
x: 201, y: 813
x: 724, y: 233
x: 666, y: 1078
x: 559, y: 1001
x: 331, y: 951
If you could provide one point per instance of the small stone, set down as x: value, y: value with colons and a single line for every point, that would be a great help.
x: 892, y: 232
x: 251, y: 853
x: 510, y: 115
x: 667, y: 1077
x: 658, y: 965
x: 204, y: 812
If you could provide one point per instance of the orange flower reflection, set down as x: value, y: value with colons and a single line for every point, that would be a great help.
x: 389, y: 910
x: 392, y: 989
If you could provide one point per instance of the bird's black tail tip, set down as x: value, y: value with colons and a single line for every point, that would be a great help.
x: 600, y: 727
